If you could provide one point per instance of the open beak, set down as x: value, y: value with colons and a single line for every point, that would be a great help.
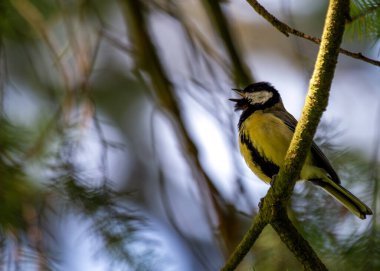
x: 242, y: 102
x: 238, y: 92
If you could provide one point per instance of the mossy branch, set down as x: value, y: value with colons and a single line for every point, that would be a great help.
x: 273, y: 206
x: 317, y: 98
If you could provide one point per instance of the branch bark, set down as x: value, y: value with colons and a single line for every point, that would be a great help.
x: 273, y: 207
x: 296, y: 243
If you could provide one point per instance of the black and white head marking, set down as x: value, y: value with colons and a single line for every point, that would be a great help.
x: 259, y: 97
x: 260, y: 93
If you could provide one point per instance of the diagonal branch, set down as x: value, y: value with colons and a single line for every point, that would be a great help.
x: 296, y: 243
x: 258, y: 224
x: 147, y: 60
x: 240, y: 69
x: 273, y: 206
x: 286, y: 30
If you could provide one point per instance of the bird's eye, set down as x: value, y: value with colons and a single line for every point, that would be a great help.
x: 260, y: 97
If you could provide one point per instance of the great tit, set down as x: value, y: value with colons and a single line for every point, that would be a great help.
x: 265, y: 132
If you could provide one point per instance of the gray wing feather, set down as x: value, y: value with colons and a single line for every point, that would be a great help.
x: 319, y: 158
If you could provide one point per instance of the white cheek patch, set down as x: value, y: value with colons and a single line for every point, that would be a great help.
x: 259, y: 97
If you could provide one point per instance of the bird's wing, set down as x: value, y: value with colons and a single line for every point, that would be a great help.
x: 319, y: 158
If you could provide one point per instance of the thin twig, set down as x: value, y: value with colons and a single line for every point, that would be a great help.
x: 286, y: 30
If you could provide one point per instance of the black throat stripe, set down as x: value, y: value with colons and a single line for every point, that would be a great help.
x: 266, y: 166
x: 252, y: 108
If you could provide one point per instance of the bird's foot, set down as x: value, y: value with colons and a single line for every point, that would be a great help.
x: 261, y: 203
x: 273, y: 180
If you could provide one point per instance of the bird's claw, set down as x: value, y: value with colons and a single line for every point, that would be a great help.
x: 261, y: 203
x: 273, y: 180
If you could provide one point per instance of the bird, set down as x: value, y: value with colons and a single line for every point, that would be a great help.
x: 265, y: 131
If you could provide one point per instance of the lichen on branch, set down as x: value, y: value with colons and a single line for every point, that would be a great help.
x: 273, y: 206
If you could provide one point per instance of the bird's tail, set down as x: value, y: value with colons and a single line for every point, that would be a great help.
x: 345, y: 197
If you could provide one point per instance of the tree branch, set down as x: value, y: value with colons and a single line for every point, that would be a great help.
x: 317, y: 98
x: 273, y: 212
x: 273, y: 207
x: 286, y: 30
x: 296, y: 243
x: 240, y: 69
x: 147, y: 60
x: 247, y: 242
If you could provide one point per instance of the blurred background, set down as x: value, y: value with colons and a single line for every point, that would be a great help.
x: 118, y: 145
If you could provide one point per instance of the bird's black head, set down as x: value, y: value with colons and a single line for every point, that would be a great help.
x: 256, y: 96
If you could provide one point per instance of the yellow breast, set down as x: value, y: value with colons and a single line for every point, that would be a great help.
x: 269, y: 136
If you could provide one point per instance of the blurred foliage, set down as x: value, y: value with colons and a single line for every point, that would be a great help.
x: 84, y: 133
x: 17, y: 192
x: 21, y: 201
x: 13, y: 26
x: 365, y: 19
